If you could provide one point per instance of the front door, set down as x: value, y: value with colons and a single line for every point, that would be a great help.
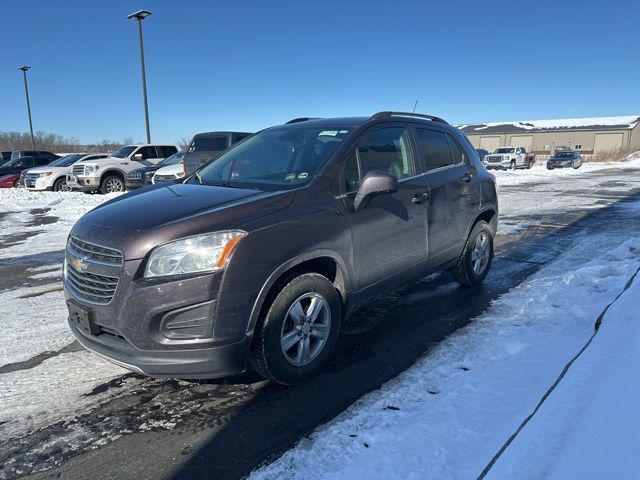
x: 389, y: 233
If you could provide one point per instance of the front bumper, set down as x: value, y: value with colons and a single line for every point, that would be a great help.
x: 132, y: 327
x: 552, y: 165
x: 86, y: 184
x: 198, y: 363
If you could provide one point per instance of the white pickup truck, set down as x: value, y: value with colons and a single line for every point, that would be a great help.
x: 107, y: 175
x: 509, y: 158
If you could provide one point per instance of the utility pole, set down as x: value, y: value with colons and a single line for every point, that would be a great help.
x: 24, y: 69
x: 139, y: 16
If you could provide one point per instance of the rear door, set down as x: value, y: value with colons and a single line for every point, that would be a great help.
x: 389, y: 234
x: 452, y: 182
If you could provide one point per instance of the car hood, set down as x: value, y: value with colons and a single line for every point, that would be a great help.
x: 150, y: 168
x: 138, y: 221
x: 170, y: 169
x: 50, y: 169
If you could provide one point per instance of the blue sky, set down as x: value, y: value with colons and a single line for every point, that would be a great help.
x: 247, y: 65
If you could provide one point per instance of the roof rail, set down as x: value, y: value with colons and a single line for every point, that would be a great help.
x: 433, y: 118
x: 301, y: 119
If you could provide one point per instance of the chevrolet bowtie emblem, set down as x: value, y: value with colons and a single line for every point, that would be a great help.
x: 79, y: 264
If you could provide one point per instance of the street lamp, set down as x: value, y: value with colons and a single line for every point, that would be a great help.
x: 139, y: 16
x: 24, y: 69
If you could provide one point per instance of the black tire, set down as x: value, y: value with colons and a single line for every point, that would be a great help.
x: 59, y: 184
x: 267, y: 356
x: 464, y: 272
x: 514, y: 166
x: 108, y: 184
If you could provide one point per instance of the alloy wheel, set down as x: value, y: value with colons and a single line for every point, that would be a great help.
x: 480, y: 253
x: 305, y: 329
x: 114, y: 185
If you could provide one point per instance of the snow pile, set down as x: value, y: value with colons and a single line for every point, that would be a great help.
x: 24, y: 212
x: 449, y: 414
x: 588, y: 427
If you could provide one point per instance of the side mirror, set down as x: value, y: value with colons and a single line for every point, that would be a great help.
x: 374, y: 183
x: 137, y: 156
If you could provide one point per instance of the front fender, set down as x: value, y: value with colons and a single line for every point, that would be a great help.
x: 290, y: 264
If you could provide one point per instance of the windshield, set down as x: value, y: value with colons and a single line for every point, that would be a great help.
x: 172, y: 160
x: 123, y: 152
x: 67, y: 160
x: 281, y: 157
x: 505, y: 150
x: 564, y: 155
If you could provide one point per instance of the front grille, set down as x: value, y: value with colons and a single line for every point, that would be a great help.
x: 495, y: 159
x: 164, y: 178
x: 94, y: 253
x: 90, y: 286
x: 78, y: 169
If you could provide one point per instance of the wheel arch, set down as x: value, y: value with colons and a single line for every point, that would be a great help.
x: 112, y: 171
x: 489, y: 214
x: 325, y: 262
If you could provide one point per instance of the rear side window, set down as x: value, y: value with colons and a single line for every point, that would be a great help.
x: 165, y: 151
x: 434, y: 150
x: 386, y: 150
x: 458, y: 154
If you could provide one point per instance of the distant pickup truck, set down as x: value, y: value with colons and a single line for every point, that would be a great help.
x: 509, y: 158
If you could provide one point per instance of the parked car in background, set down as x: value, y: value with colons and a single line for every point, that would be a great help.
x: 565, y: 158
x: 9, y: 181
x: 481, y: 153
x: 4, y: 157
x: 261, y: 255
x: 107, y: 175
x: 171, y: 172
x: 34, y: 153
x: 509, y: 158
x: 143, y: 176
x: 207, y: 146
x: 19, y: 164
x: 54, y: 176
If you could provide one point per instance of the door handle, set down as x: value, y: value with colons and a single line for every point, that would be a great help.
x: 420, y: 197
x: 466, y: 177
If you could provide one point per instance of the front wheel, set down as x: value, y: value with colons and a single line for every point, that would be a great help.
x: 60, y: 185
x: 112, y: 184
x: 299, y: 331
x: 476, y: 257
x: 513, y: 165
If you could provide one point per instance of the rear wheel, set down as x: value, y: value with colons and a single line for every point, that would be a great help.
x: 299, y: 331
x: 60, y: 185
x: 476, y: 258
x: 112, y: 184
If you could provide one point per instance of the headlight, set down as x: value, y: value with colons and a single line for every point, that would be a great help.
x: 89, y: 169
x: 202, y: 253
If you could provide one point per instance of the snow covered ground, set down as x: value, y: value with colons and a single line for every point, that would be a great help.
x: 446, y: 415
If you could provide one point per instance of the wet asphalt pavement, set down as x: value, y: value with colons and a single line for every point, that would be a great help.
x: 225, y: 429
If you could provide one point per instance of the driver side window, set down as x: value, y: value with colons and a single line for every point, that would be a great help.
x: 387, y: 150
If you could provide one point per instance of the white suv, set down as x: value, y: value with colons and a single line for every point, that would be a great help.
x: 107, y: 175
x: 54, y: 176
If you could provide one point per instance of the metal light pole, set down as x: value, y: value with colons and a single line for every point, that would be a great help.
x: 24, y: 69
x: 139, y: 16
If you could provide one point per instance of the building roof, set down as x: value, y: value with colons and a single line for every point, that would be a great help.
x: 595, y: 123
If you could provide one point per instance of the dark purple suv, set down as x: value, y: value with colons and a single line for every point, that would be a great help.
x: 259, y: 256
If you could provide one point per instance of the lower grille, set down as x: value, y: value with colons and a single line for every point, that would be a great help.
x: 163, y: 178
x: 90, y: 286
